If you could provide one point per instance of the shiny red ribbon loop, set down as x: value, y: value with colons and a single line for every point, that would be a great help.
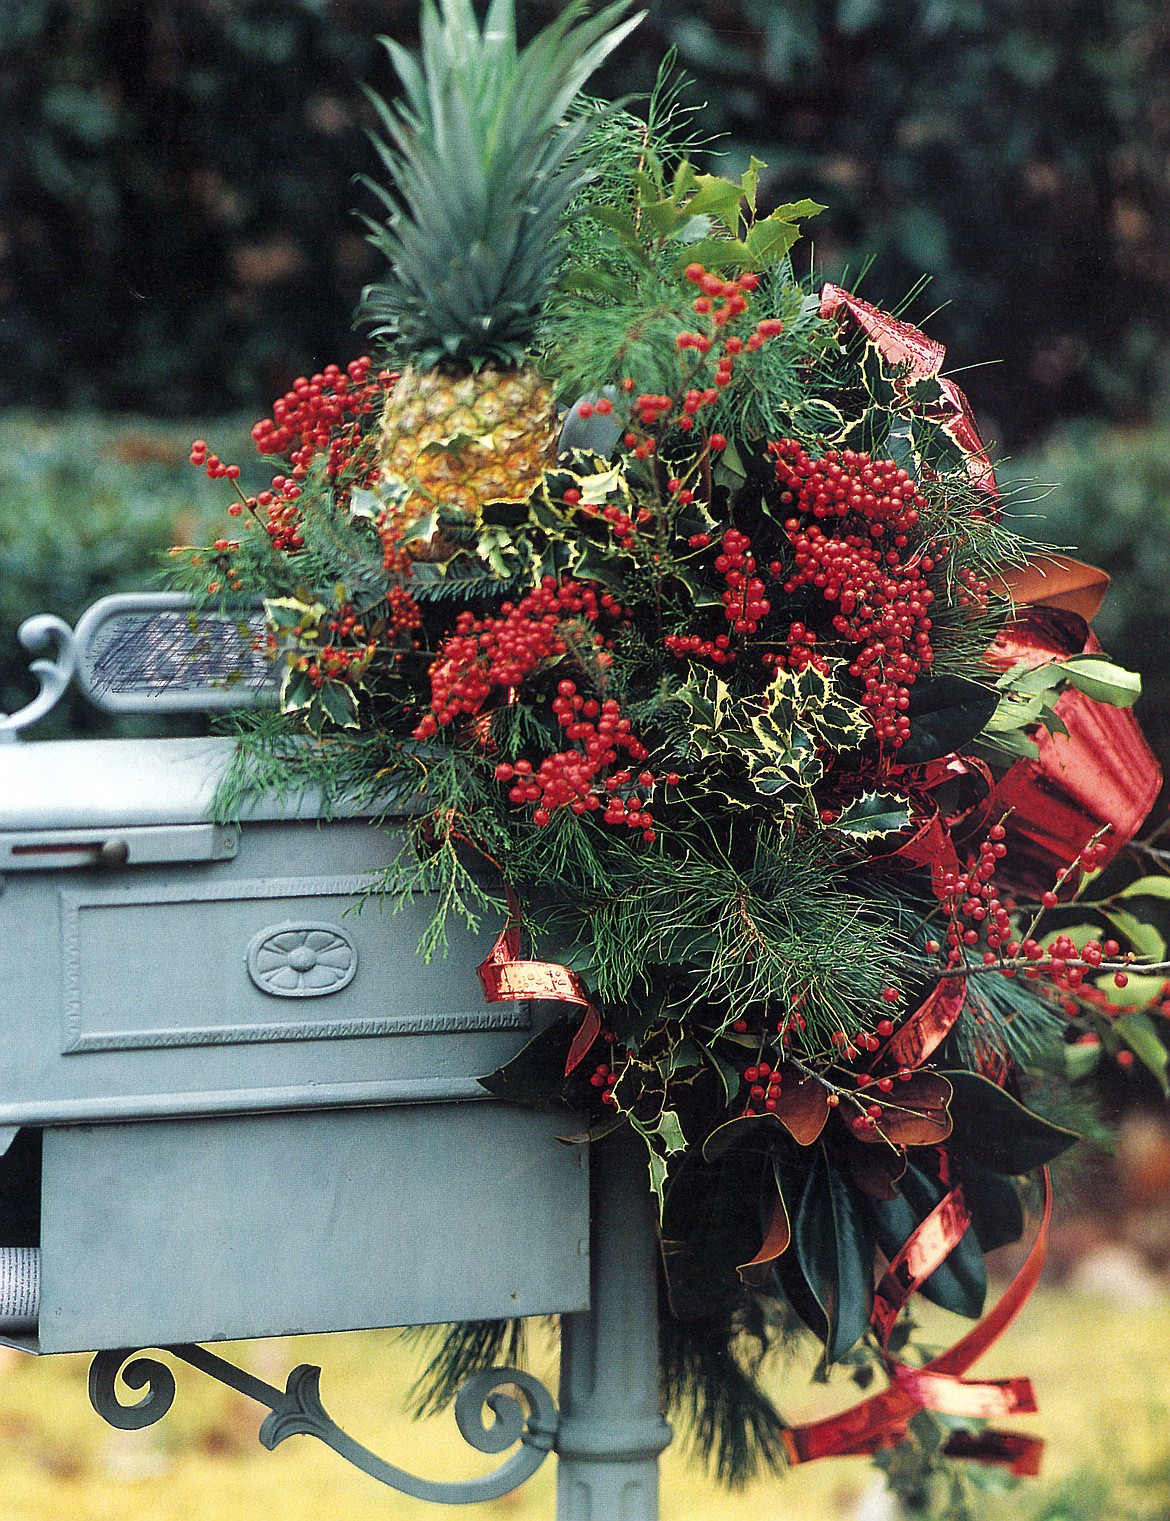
x: 882, y: 1419
x: 505, y: 977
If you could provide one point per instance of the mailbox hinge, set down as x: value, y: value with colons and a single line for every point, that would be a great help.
x: 143, y: 845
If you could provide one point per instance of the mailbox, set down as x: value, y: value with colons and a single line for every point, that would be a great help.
x: 234, y: 1101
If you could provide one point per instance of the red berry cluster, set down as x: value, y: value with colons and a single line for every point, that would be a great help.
x: 211, y: 464
x: 974, y: 902
x: 306, y: 420
x: 324, y: 412
x: 219, y: 560
x: 621, y: 524
x: 744, y: 601
x: 800, y: 653
x: 486, y: 653
x: 718, y: 649
x: 569, y: 778
x: 870, y: 508
x: 765, y: 1084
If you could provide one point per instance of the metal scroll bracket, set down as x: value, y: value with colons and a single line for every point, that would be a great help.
x: 297, y: 1409
x: 40, y: 635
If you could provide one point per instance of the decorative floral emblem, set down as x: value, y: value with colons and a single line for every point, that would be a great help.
x: 302, y: 960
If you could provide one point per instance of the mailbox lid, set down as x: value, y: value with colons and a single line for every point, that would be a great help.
x: 112, y: 783
x: 229, y: 1228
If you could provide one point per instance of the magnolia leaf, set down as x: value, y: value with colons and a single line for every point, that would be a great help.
x: 775, y: 1243
x: 876, y: 1170
x: 997, y: 1211
x: 873, y: 816
x: 914, y: 1113
x: 1145, y: 887
x: 1142, y: 937
x: 1140, y: 1034
x: 759, y: 1129
x: 959, y: 1283
x: 802, y: 1107
x: 1102, y: 680
x: 834, y: 1246
x: 707, y: 1232
x: 946, y: 712
x: 989, y: 1126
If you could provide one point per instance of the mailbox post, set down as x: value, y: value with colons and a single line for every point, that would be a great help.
x: 229, y: 1101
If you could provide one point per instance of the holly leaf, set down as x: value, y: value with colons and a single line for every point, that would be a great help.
x: 945, y: 712
x: 873, y: 816
x: 989, y: 1126
x: 770, y: 239
x: 835, y: 1245
x: 339, y: 703
x: 1145, y: 887
x: 1143, y: 937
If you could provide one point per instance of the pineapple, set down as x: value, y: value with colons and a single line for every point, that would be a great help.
x: 483, y: 164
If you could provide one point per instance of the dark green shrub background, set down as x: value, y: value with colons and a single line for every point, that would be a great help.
x: 176, y: 182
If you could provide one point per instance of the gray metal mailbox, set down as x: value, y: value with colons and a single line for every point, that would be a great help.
x: 259, y: 1109
x: 235, y: 1103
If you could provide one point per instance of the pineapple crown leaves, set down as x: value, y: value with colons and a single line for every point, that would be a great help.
x: 482, y: 165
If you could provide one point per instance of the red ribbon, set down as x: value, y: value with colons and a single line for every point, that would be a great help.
x: 506, y: 977
x: 903, y: 346
x: 882, y: 1419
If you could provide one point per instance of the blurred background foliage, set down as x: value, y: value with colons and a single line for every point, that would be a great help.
x: 177, y: 241
x: 176, y: 182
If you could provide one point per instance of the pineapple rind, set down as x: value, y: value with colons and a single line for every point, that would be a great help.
x: 453, y: 443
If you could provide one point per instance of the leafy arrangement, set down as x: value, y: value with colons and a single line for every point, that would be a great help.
x: 679, y: 599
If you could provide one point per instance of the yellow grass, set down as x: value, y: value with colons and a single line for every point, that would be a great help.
x: 1102, y: 1375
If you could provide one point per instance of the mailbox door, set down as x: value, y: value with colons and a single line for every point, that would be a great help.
x: 243, y: 1226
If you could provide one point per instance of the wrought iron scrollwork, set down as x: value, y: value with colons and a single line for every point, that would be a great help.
x: 522, y: 1409
x: 40, y: 635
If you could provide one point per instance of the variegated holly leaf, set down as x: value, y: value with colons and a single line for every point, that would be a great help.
x: 873, y: 816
